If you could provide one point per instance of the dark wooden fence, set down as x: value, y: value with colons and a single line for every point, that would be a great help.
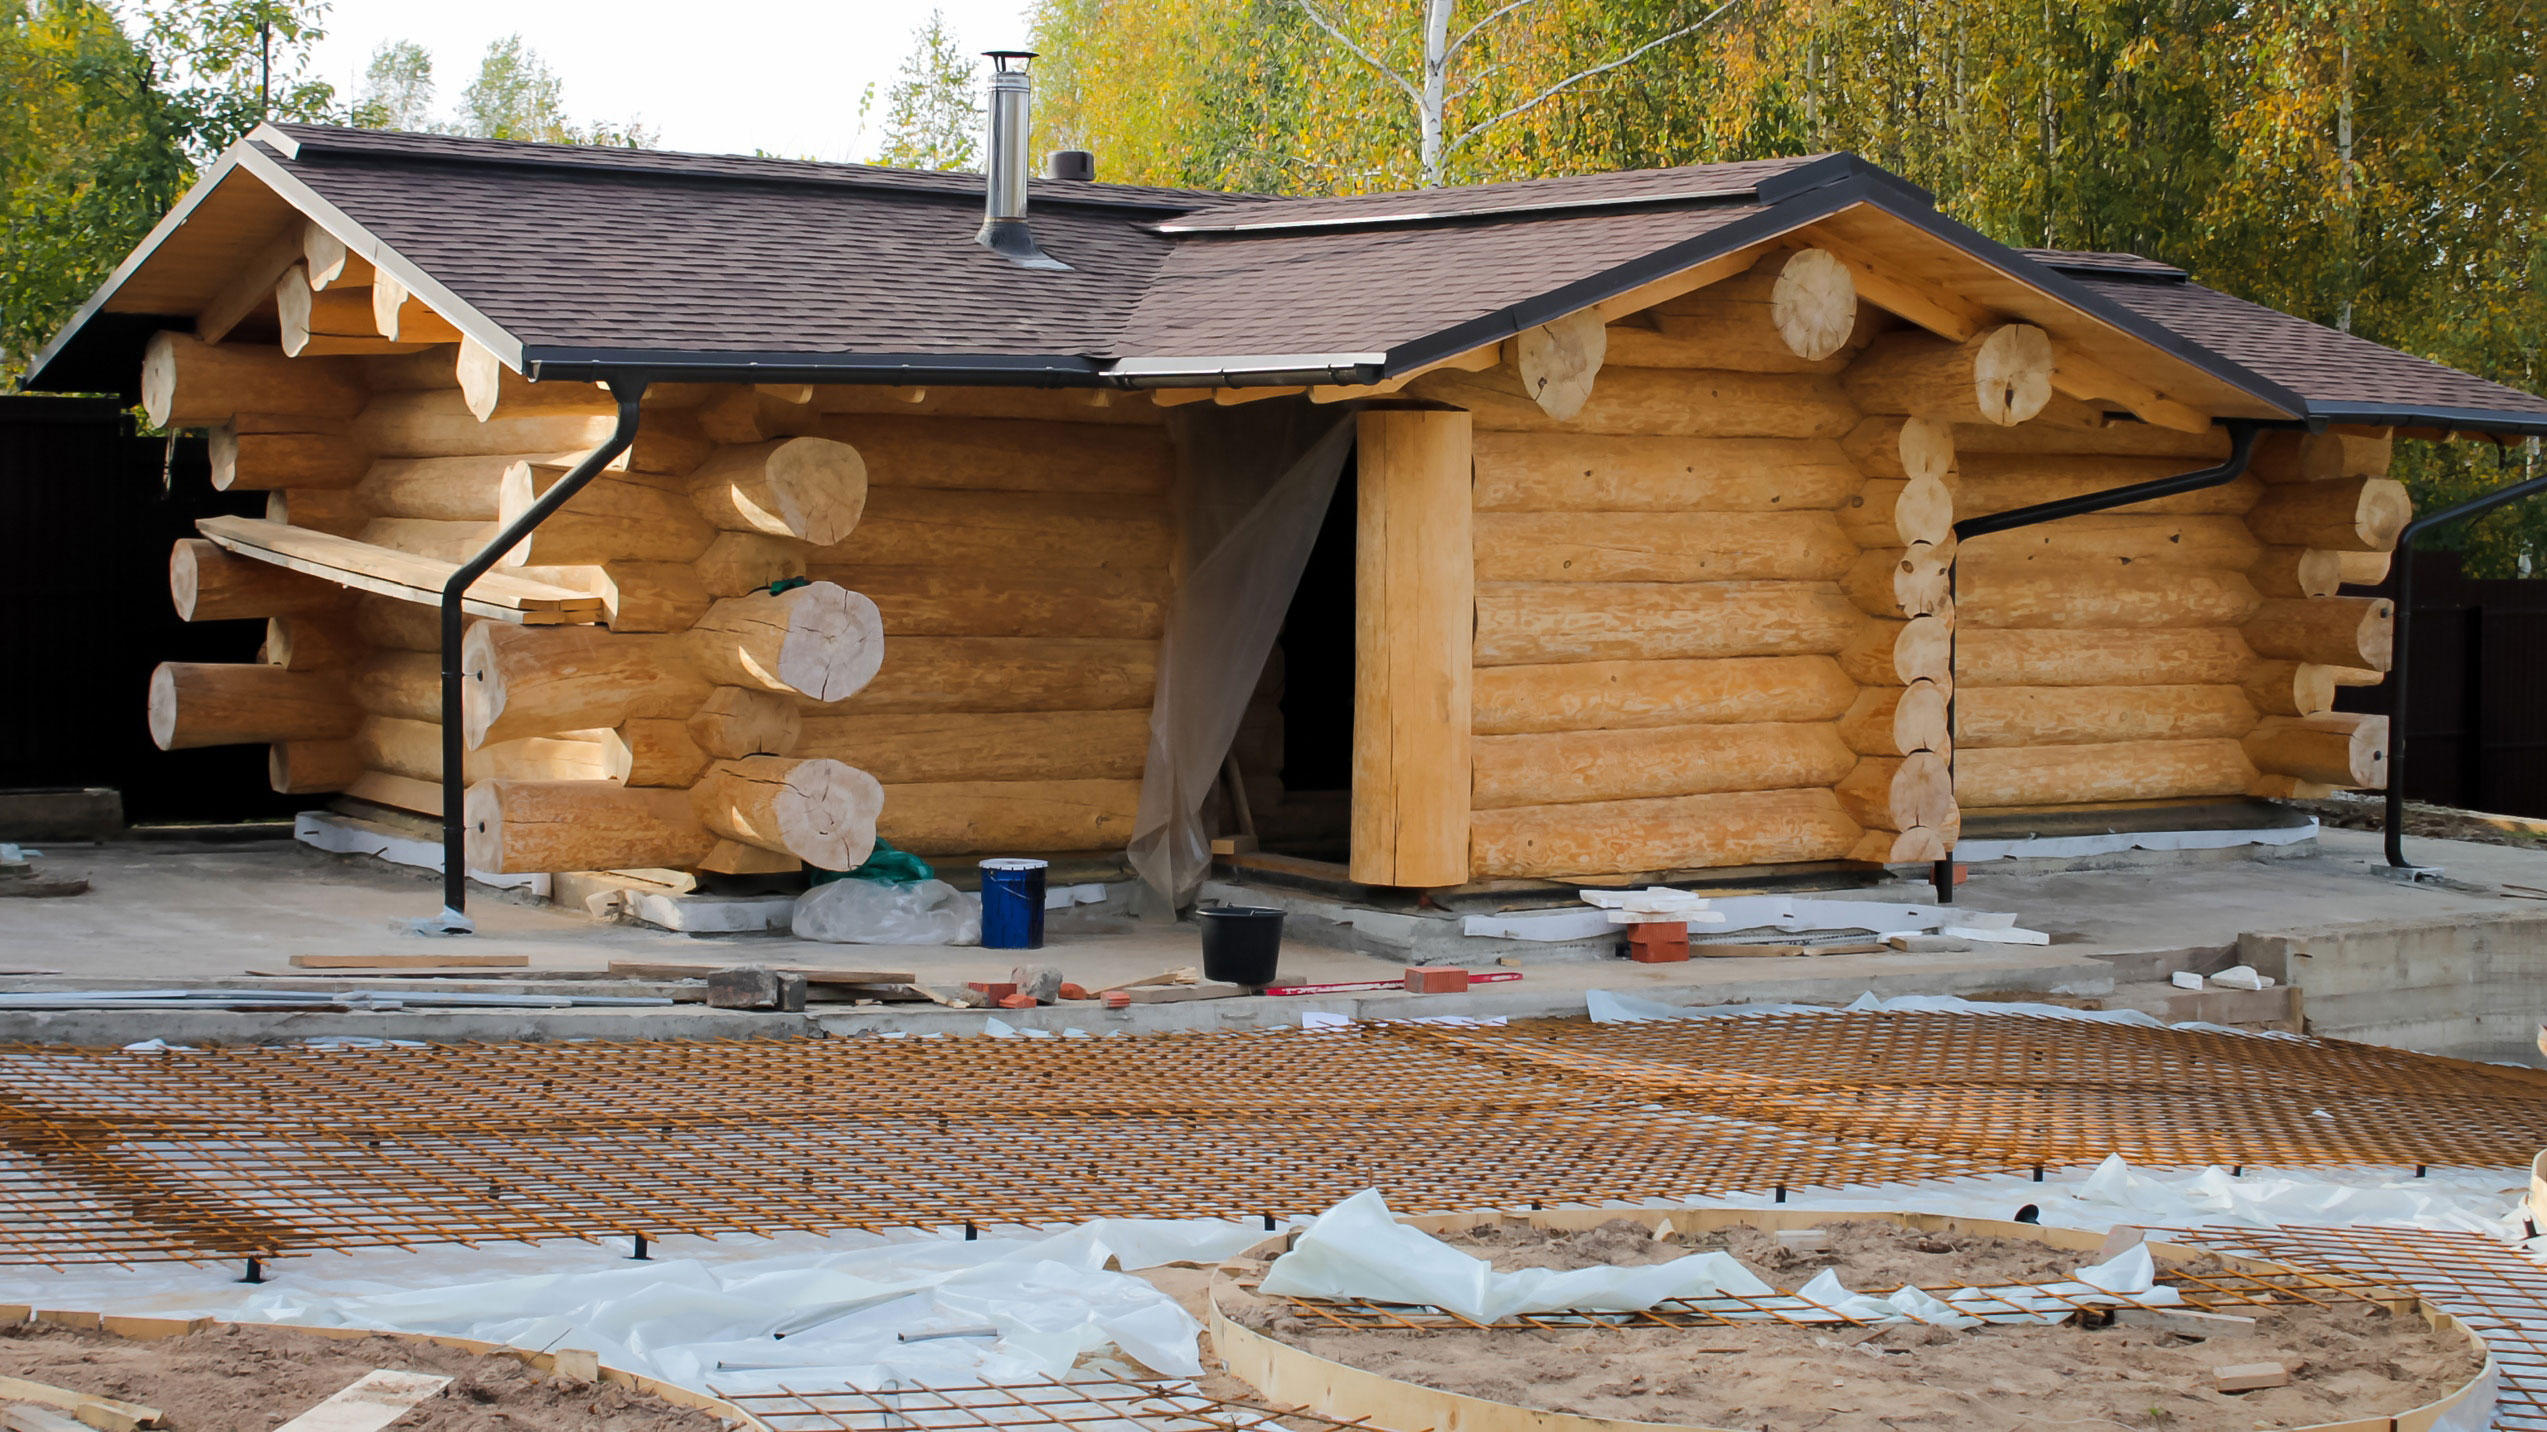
x: 2476, y: 729
x: 87, y: 514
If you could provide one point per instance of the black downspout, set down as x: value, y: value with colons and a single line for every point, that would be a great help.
x: 455, y: 867
x: 2241, y: 449
x: 2400, y: 645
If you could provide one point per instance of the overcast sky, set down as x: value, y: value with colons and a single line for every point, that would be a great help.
x: 780, y: 75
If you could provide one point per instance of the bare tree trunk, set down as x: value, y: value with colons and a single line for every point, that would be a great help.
x: 1436, y: 87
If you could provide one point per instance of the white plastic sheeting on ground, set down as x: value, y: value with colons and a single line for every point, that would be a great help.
x: 1613, y: 1007
x: 735, y: 1313
x: 1358, y: 1249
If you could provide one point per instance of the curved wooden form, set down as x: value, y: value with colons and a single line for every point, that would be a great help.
x: 1294, y: 1377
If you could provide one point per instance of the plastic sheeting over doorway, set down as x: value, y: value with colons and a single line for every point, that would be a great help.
x: 1253, y: 484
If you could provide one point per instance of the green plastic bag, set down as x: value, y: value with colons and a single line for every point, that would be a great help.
x: 885, y: 864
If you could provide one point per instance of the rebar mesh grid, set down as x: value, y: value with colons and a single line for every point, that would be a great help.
x: 132, y: 1155
x: 1093, y: 1406
x: 2492, y: 1287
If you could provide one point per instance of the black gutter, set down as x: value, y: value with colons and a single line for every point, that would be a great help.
x: 628, y: 389
x: 2241, y: 449
x: 2401, y: 645
x: 915, y: 370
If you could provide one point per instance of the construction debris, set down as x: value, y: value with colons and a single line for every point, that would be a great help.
x: 2250, y: 1376
x: 756, y: 987
x: 373, y: 1402
x: 106, y: 1414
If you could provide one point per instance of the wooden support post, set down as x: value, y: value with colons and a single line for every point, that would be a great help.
x: 1415, y: 614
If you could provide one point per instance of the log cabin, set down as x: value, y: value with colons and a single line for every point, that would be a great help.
x: 1578, y: 528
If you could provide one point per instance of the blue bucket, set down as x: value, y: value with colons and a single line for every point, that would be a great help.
x: 1013, y: 904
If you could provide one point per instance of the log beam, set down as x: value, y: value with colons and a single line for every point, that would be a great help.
x: 2000, y: 377
x: 214, y: 704
x: 1416, y: 607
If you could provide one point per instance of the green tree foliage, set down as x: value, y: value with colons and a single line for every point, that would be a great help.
x: 933, y: 109
x: 2368, y: 164
x: 101, y: 132
x: 397, y: 89
x: 517, y: 96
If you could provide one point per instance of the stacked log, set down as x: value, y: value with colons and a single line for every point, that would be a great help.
x: 1900, y: 788
x: 1022, y: 564
x: 1025, y: 556
x: 2330, y: 513
x: 1660, y: 612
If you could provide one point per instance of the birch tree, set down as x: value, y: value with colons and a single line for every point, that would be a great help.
x: 1432, y: 89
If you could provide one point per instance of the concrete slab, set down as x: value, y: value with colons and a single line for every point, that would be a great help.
x: 177, y: 913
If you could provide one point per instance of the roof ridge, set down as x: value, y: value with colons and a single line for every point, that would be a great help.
x: 407, y: 145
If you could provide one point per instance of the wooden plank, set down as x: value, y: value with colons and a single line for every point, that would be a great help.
x: 409, y: 962
x: 103, y: 1413
x: 1754, y: 952
x: 374, y: 1401
x: 406, y: 576
x: 2084, y: 378
x: 814, y: 974
x: 253, y: 288
x: 1415, y: 585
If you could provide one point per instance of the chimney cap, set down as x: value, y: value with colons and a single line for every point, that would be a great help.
x: 999, y: 60
x: 1076, y: 164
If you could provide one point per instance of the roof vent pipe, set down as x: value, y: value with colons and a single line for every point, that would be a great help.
x: 1004, y: 230
x: 1074, y: 164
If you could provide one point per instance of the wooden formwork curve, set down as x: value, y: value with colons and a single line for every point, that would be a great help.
x: 1292, y: 1375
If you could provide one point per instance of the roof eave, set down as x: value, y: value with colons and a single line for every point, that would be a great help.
x: 39, y: 367
x: 2503, y: 422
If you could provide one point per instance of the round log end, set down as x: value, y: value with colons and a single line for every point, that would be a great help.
x: 827, y: 814
x: 1814, y: 304
x: 1927, y: 449
x: 819, y: 489
x: 159, y: 377
x: 2012, y: 375
x: 163, y: 706
x: 481, y: 685
x: 482, y: 826
x: 834, y: 643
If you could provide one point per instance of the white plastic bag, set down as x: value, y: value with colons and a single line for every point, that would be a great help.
x: 873, y: 912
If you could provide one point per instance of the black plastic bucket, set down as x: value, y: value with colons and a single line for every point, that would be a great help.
x: 1241, y: 944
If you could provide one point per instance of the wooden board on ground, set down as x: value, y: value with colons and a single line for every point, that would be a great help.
x: 1185, y: 976
x: 409, y: 962
x: 104, y: 1413
x: 26, y: 1417
x: 374, y: 1401
x: 1179, y: 993
x: 814, y: 974
x: 1756, y: 952
x: 387, y: 572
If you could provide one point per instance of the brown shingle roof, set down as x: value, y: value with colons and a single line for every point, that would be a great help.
x: 2339, y: 374
x: 588, y: 258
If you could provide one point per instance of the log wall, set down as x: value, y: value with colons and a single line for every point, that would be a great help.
x: 1013, y: 546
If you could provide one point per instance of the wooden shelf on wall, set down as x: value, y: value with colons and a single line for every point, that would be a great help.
x: 403, y: 575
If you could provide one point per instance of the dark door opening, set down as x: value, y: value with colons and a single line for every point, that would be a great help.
x: 1296, y: 748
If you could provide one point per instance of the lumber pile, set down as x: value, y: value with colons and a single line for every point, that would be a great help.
x: 638, y: 694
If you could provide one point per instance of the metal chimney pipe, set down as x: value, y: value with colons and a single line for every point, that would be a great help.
x: 1004, y: 230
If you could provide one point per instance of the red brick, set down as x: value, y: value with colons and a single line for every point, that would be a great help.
x: 1426, y: 979
x: 1659, y: 932
x: 1072, y: 991
x: 1016, y: 1001
x: 1117, y: 999
x: 1659, y: 954
x: 997, y: 990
